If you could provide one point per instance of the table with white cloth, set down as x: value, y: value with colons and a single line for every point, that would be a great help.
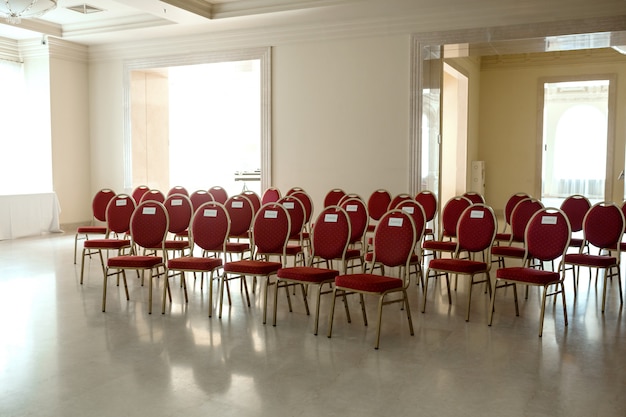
x: 28, y: 215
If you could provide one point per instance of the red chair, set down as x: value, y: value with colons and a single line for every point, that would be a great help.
x: 505, y: 235
x: 428, y: 201
x: 148, y: 229
x: 330, y: 240
x: 271, y: 195
x: 416, y: 211
x: 270, y: 234
x: 241, y: 214
x: 603, y: 228
x: 209, y: 230
x: 474, y: 197
x: 297, y: 216
x: 394, y: 242
x: 575, y: 208
x: 254, y: 199
x: 397, y: 200
x: 118, y: 213
x: 178, y: 189
x: 153, y: 195
x: 219, y: 194
x: 547, y: 237
x: 377, y: 205
x: 180, y: 211
x: 449, y: 219
x: 476, y: 231
x: 333, y: 197
x: 359, y: 218
x: 99, y: 205
x: 138, y: 192
x: 199, y: 197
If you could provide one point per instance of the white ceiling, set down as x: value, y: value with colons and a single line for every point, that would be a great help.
x: 132, y: 20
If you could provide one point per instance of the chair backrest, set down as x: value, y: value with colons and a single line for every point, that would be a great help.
x: 307, y: 203
x: 359, y: 218
x: 377, y: 203
x: 219, y: 194
x: 241, y: 215
x: 297, y: 215
x: 293, y: 190
x: 394, y: 239
x: 100, y: 202
x: 476, y: 229
x: 152, y: 195
x: 331, y: 235
x: 522, y: 213
x: 180, y: 210
x: 575, y: 207
x: 547, y: 235
x: 603, y: 226
x: 270, y: 195
x: 178, y: 189
x: 474, y: 197
x: 119, y: 211
x: 270, y: 230
x: 350, y: 195
x: 451, y: 213
x: 210, y: 227
x: 149, y: 225
x: 397, y: 200
x: 333, y: 197
x: 199, y: 197
x: 510, y: 205
x: 428, y: 200
x: 254, y: 199
x: 138, y: 192
x: 416, y: 211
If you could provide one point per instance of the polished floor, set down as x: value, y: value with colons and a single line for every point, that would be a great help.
x: 61, y: 356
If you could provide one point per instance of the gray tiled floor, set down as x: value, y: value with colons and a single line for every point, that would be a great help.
x: 61, y: 356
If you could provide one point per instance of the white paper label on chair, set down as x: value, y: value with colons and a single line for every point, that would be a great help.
x: 271, y: 214
x: 289, y: 205
x: 477, y: 214
x: 121, y: 202
x: 237, y: 204
x: 352, y: 208
x: 210, y: 213
x: 149, y: 210
x: 331, y: 218
x: 548, y: 220
x: 395, y: 221
x: 408, y: 209
x: 177, y: 202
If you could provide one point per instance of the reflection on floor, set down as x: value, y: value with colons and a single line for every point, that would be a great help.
x: 61, y: 356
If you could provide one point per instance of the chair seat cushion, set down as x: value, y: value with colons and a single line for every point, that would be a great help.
x: 439, y: 245
x: 237, y: 247
x: 106, y: 243
x: 459, y: 266
x: 508, y: 251
x: 92, y: 229
x: 183, y: 234
x: 134, y: 261
x: 503, y: 237
x: 527, y: 275
x: 176, y: 244
x: 368, y: 282
x: 576, y: 242
x: 598, y: 261
x: 353, y: 253
x: 249, y: 267
x: 293, y: 249
x: 308, y: 274
x: 194, y: 263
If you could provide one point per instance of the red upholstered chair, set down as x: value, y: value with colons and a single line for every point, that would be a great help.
x: 449, y: 219
x: 241, y: 214
x: 118, y: 213
x: 99, y: 205
x: 505, y: 235
x: 330, y: 239
x: 209, y: 230
x: 148, y: 230
x: 307, y: 203
x: 428, y: 201
x: 394, y: 242
x: 547, y: 238
x: 416, y: 211
x: 153, y: 195
x: 199, y: 197
x: 359, y: 218
x: 178, y: 189
x: 474, y: 197
x: 476, y: 230
x: 138, y: 192
x: 333, y: 197
x: 297, y: 216
x: 270, y: 233
x: 271, y: 195
x: 520, y: 216
x: 575, y: 208
x: 219, y: 194
x: 603, y: 228
x: 254, y: 199
x: 377, y: 205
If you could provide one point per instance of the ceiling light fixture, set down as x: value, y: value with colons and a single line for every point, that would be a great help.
x: 16, y: 10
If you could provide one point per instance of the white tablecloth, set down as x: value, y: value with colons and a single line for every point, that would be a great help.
x: 28, y: 215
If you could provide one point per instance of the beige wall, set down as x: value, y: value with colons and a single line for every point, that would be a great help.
x: 509, y: 116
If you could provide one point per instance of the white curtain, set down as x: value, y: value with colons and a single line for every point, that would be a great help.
x: 26, y: 161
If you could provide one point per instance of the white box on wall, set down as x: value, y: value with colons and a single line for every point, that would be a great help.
x: 478, y: 177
